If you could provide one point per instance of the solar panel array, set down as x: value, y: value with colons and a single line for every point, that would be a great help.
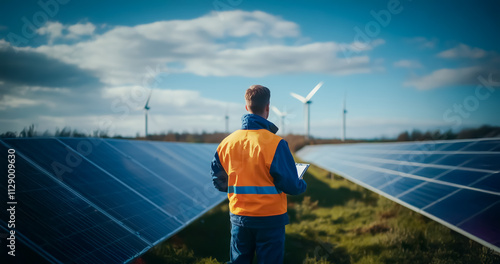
x: 456, y: 182
x: 88, y: 200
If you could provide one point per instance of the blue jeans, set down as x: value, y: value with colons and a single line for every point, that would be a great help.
x: 269, y: 243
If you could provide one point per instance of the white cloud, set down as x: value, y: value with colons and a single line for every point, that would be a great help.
x: 167, y: 101
x: 176, y: 110
x: 17, y: 102
x: 278, y: 59
x: 459, y: 76
x: 446, y: 77
x: 407, y: 64
x: 462, y: 51
x: 80, y: 29
x: 124, y: 58
x: 4, y: 44
x: 120, y: 109
x: 207, y: 46
x: 52, y: 29
x: 55, y: 30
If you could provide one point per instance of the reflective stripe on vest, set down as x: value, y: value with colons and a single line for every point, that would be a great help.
x: 252, y: 190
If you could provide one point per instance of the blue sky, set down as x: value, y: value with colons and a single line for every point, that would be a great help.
x: 402, y: 65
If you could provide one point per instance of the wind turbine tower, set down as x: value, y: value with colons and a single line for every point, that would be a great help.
x: 146, y: 108
x: 344, y: 112
x: 307, y: 102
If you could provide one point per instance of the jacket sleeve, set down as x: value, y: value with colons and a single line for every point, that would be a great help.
x: 284, y: 171
x: 219, y: 175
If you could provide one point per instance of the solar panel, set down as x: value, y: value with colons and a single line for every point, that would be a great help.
x: 168, y: 157
x: 456, y: 182
x: 96, y: 201
x: 142, y: 180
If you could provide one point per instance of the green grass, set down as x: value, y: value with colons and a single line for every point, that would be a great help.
x: 334, y: 221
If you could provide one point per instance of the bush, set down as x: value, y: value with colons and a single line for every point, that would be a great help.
x: 305, y: 209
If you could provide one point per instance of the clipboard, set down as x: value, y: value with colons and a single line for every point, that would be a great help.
x: 301, y: 169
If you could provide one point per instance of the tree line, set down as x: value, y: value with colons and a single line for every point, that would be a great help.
x: 295, y: 141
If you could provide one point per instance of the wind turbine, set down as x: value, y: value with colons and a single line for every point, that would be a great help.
x: 146, y: 108
x: 282, y: 116
x: 344, y: 112
x: 307, y: 102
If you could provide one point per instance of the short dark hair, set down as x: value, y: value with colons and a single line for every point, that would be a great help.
x: 257, y: 98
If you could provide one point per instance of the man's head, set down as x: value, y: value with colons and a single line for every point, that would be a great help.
x: 257, y: 99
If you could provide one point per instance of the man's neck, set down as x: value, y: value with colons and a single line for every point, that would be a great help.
x: 261, y: 115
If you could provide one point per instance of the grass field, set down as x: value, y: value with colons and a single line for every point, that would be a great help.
x: 334, y: 221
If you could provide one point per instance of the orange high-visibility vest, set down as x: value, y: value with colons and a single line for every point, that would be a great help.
x: 246, y: 156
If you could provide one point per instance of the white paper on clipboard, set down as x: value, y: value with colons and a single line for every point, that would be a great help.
x: 301, y: 169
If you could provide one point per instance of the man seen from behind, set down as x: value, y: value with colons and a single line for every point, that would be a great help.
x: 256, y: 169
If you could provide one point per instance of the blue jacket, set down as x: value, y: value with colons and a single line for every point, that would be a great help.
x: 281, y: 175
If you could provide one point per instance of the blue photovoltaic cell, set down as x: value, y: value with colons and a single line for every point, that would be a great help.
x: 101, y: 188
x: 88, y: 200
x: 456, y: 146
x: 163, y: 162
x: 378, y: 179
x: 63, y: 226
x: 455, y: 182
x: 462, y: 177
x: 427, y: 172
x: 462, y: 205
x: 489, y: 182
x: 426, y: 194
x: 172, y: 163
x: 400, y: 185
x: 489, y: 228
x: 139, y: 177
x: 485, y: 161
x: 493, y: 145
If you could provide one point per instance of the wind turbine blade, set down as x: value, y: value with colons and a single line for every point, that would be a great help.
x: 147, y: 102
x: 275, y: 109
x: 313, y: 91
x: 298, y: 97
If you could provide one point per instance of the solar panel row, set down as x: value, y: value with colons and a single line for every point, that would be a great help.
x: 106, y: 201
x: 456, y: 183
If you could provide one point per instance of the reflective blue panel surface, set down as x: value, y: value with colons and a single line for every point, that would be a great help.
x: 489, y: 228
x: 428, y: 172
x: 462, y: 177
x: 88, y: 200
x: 488, y: 182
x: 99, y: 186
x: 176, y: 163
x: 489, y: 145
x: 455, y: 182
x: 138, y: 177
x: 425, y: 194
x: 400, y: 185
x: 484, y: 161
x: 64, y: 226
x: 461, y: 205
